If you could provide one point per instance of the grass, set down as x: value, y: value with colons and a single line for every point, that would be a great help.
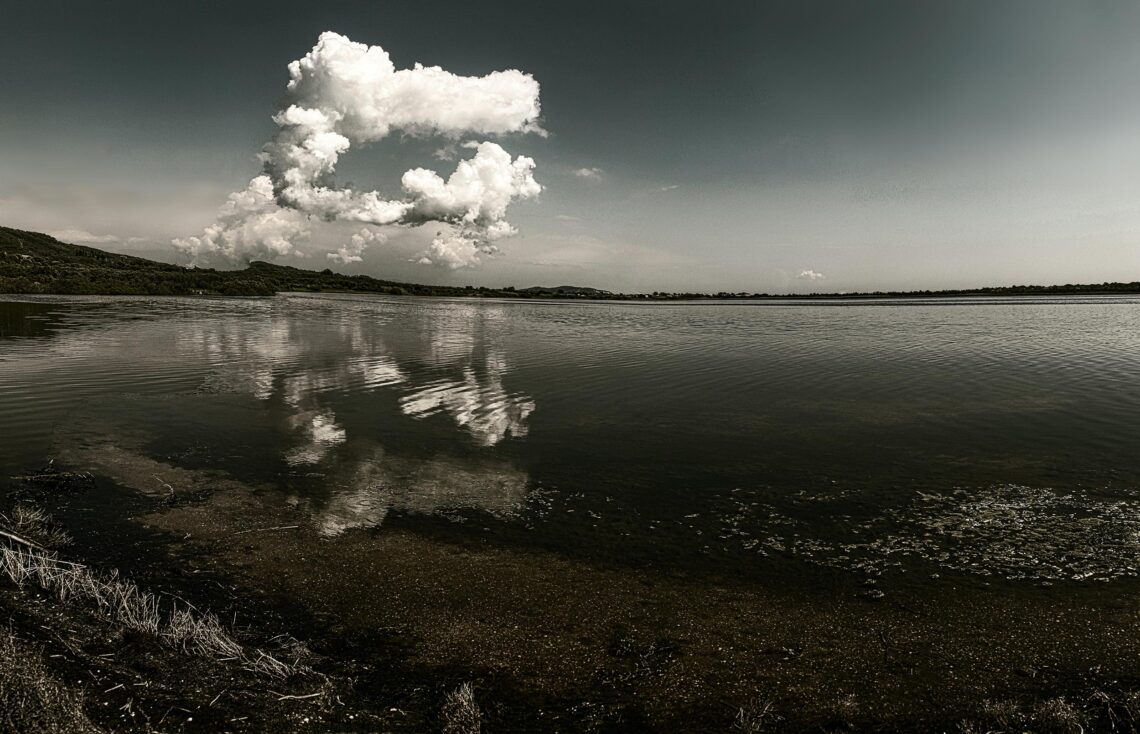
x: 756, y: 717
x: 31, y: 699
x: 199, y: 634
x: 35, y: 524
x: 121, y: 601
x: 1116, y: 711
x: 461, y: 714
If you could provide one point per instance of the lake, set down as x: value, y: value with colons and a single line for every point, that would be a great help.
x: 854, y: 450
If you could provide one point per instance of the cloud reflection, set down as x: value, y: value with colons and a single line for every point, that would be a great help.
x: 381, y: 483
x: 439, y: 358
x: 320, y: 434
x: 478, y: 403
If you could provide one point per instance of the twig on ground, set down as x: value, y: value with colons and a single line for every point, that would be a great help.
x: 282, y: 697
x: 262, y: 530
x: 18, y: 539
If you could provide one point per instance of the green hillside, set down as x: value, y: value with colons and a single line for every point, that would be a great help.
x: 31, y: 262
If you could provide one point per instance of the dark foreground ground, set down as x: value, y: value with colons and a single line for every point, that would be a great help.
x: 380, y: 632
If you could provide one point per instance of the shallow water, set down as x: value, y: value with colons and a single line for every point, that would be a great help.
x: 988, y: 438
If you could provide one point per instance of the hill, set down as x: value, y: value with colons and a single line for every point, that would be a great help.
x: 32, y: 262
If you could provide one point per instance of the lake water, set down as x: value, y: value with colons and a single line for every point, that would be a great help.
x: 988, y: 439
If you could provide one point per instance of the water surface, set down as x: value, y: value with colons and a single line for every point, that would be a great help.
x: 993, y: 439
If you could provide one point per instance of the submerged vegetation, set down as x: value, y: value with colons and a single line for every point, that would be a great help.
x: 32, y: 262
x: 112, y: 654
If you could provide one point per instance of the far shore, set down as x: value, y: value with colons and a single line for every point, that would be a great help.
x: 36, y: 263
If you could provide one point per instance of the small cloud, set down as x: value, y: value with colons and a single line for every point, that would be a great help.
x: 447, y: 153
x: 357, y: 244
x: 669, y: 188
x: 594, y: 174
x: 566, y: 218
x: 82, y: 236
x: 810, y: 275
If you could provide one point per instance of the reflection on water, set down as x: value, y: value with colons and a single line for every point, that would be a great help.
x: 320, y: 433
x: 306, y: 368
x: 27, y: 320
x: 477, y: 403
x: 464, y: 379
x: 464, y: 349
x: 990, y: 438
x: 381, y: 483
x: 306, y: 361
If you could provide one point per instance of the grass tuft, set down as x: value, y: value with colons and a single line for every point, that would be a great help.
x: 461, y: 714
x: 1059, y: 715
x: 35, y: 525
x: 124, y: 603
x: 199, y: 634
x: 756, y: 717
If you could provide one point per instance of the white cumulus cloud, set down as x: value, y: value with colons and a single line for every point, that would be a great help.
x: 810, y: 275
x: 249, y: 225
x: 357, y: 244
x: 344, y: 94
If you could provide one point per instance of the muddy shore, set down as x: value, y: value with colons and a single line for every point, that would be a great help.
x: 397, y: 619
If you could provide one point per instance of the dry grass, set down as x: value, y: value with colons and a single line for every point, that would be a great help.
x: 270, y: 667
x: 199, y: 634
x: 35, y: 525
x: 1005, y: 714
x: 1059, y: 715
x: 31, y: 700
x: 756, y: 717
x: 461, y: 714
x: 124, y: 603
x: 1056, y: 715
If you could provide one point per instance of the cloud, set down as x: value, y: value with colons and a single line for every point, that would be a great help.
x: 82, y: 237
x: 357, y: 244
x: 447, y: 152
x: 454, y: 251
x: 344, y: 94
x: 810, y: 275
x: 475, y: 199
x: 671, y: 187
x: 250, y: 225
x: 594, y: 174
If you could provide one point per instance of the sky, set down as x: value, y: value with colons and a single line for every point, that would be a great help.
x: 717, y: 146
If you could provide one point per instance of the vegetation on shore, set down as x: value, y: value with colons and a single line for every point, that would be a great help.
x: 31, y: 262
x: 85, y: 650
x: 109, y: 659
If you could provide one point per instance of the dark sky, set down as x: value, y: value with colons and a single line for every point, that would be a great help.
x: 731, y: 145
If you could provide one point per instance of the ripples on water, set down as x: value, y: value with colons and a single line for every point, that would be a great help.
x: 989, y: 437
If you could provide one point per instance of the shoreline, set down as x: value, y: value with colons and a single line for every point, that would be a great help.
x: 555, y: 645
